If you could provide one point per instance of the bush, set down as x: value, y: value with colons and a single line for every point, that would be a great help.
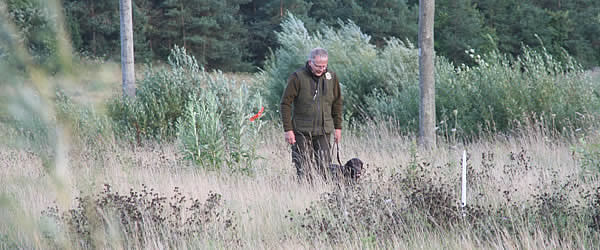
x: 426, y: 199
x: 497, y: 94
x: 143, y: 218
x: 39, y: 124
x: 361, y: 68
x: 213, y: 136
x: 83, y: 121
x: 207, y: 112
x: 37, y: 30
x: 160, y: 98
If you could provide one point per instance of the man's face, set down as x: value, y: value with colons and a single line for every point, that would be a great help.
x: 318, y: 65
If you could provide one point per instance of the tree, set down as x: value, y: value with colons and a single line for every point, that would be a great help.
x: 212, y: 31
x: 263, y: 18
x: 127, y: 60
x: 426, y: 78
x: 380, y: 19
x: 37, y: 30
x: 459, y: 26
x: 97, y: 25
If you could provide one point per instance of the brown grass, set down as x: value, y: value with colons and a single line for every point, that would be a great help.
x: 262, y: 201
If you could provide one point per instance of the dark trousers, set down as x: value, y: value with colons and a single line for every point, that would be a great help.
x: 311, y: 155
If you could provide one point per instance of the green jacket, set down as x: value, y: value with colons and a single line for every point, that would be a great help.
x: 311, y: 104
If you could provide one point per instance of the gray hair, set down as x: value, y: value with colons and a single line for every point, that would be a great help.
x: 317, y: 52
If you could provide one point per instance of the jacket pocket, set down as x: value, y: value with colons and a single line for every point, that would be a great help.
x: 303, y: 125
x: 328, y: 125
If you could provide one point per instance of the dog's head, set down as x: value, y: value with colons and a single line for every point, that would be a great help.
x: 353, y: 168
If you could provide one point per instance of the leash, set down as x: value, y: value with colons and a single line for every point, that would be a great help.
x: 337, y: 146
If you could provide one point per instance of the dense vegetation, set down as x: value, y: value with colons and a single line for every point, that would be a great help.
x: 494, y: 94
x: 192, y: 163
x: 237, y: 35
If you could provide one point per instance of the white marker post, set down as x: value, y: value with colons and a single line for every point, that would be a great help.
x: 464, y: 180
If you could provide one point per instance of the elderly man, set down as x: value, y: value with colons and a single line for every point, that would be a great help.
x: 311, y: 109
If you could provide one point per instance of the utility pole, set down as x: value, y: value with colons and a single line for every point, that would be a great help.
x: 427, y: 137
x: 127, y: 61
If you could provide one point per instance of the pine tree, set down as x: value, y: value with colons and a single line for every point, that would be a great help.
x: 263, y: 17
x: 458, y: 27
x: 210, y: 30
x: 98, y: 26
x: 380, y: 19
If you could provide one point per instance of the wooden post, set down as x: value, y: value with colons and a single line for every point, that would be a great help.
x: 426, y: 75
x: 127, y: 60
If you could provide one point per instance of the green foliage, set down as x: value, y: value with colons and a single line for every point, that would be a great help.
x: 36, y: 29
x: 207, y: 112
x: 588, y: 157
x: 460, y: 26
x: 501, y: 93
x: 361, y: 68
x: 201, y: 131
x: 556, y: 25
x: 498, y: 93
x: 97, y: 25
x: 83, y: 122
x: 213, y: 136
x: 263, y: 19
x: 237, y: 35
x: 161, y: 97
x: 210, y: 30
x: 379, y: 19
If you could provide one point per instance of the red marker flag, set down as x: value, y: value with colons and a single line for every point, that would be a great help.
x: 254, y: 117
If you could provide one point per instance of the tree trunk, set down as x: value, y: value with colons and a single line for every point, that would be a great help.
x: 127, y: 60
x: 427, y: 135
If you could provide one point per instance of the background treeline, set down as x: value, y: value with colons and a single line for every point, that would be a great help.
x: 237, y: 35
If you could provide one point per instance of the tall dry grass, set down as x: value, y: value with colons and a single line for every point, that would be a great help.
x: 263, y: 202
x: 55, y: 173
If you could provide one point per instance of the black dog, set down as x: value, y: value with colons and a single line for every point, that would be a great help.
x: 350, y: 172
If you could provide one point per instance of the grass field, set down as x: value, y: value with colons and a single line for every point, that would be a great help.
x: 72, y: 178
x: 270, y: 209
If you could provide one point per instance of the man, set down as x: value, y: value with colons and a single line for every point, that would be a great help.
x: 311, y: 109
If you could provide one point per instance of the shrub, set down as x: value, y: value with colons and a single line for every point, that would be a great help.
x: 207, y: 112
x: 360, y: 67
x: 214, y: 136
x: 587, y: 154
x: 142, y: 218
x: 160, y: 98
x: 385, y: 208
x: 424, y: 199
x: 499, y: 93
x: 83, y: 122
x: 37, y: 30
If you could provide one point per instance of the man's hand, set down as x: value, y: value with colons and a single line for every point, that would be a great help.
x: 290, y: 137
x: 338, y: 135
